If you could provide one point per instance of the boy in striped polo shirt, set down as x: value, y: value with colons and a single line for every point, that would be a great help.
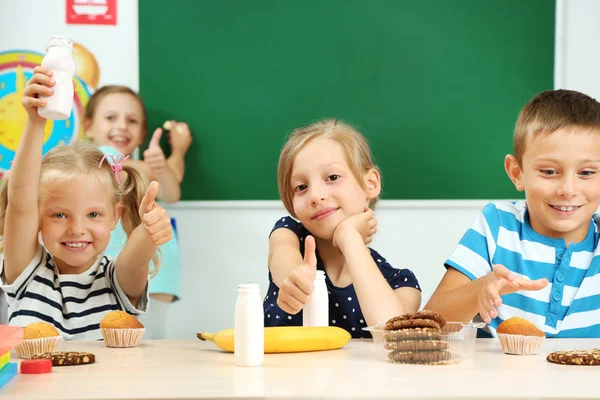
x: 537, y: 259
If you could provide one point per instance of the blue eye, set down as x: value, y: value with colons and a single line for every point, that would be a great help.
x: 60, y: 215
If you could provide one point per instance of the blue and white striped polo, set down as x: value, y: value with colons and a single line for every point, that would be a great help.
x: 570, y: 305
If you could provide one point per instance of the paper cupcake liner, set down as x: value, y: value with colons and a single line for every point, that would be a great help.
x: 30, y: 347
x: 520, y: 344
x: 122, y: 337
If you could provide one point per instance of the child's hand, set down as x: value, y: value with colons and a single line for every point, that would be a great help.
x: 298, y: 285
x: 364, y: 223
x: 154, y: 157
x: 180, y: 137
x: 155, y: 219
x: 501, y: 281
x: 40, y: 84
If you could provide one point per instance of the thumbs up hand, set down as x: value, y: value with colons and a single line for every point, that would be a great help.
x: 298, y: 285
x: 155, y: 219
x: 154, y: 157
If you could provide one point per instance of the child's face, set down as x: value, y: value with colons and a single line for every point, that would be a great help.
x: 325, y: 190
x: 118, y: 122
x: 76, y: 223
x: 561, y: 177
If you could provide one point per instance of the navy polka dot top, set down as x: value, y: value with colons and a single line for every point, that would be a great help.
x: 344, y: 310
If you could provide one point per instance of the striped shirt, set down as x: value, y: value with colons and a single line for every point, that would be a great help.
x: 570, y: 305
x: 74, y: 303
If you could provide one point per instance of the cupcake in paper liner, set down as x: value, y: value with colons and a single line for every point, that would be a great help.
x: 519, y: 336
x: 38, y: 338
x: 120, y: 329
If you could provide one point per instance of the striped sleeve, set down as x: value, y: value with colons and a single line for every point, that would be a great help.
x: 111, y: 279
x: 15, y: 290
x: 475, y: 253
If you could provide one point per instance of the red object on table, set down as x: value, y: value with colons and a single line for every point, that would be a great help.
x: 41, y: 366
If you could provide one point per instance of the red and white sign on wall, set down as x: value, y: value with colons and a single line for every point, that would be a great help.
x: 92, y: 12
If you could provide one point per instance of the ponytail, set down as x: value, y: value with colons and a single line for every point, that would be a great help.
x: 133, y: 191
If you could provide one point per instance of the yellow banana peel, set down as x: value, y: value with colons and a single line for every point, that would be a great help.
x: 288, y: 339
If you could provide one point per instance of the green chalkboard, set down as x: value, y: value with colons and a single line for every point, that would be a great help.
x: 435, y: 86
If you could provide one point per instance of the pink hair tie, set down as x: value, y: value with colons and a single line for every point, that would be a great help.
x: 116, y: 165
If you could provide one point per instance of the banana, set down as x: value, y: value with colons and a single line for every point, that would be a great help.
x: 288, y: 339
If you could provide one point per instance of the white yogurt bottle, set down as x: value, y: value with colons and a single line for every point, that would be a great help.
x: 59, y: 60
x: 316, y: 310
x: 249, y: 337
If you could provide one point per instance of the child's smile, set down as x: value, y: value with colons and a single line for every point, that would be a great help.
x: 324, y: 213
x: 76, y: 223
x: 561, y: 177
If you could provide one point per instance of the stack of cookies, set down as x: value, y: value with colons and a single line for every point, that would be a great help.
x: 417, y: 338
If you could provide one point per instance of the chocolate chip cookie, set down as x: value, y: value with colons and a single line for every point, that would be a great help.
x: 575, y: 357
x: 413, y: 334
x: 421, y: 357
x: 412, y: 323
x: 61, y: 358
x: 417, y: 345
x: 424, y: 314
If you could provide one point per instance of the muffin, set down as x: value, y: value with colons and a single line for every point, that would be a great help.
x: 120, y: 329
x: 519, y: 336
x: 38, y: 338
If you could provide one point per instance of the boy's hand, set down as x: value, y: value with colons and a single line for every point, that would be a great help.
x: 40, y: 84
x: 180, y: 137
x: 365, y: 223
x: 154, y: 157
x: 155, y: 219
x: 298, y: 285
x: 501, y: 281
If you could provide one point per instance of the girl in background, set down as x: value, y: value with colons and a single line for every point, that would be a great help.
x: 116, y: 121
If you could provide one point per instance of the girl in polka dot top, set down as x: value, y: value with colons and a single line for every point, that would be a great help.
x: 329, y: 185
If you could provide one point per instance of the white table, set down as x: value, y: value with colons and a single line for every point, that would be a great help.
x: 195, y: 369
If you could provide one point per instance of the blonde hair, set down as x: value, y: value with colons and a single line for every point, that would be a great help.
x: 94, y: 101
x: 353, y: 144
x: 63, y: 163
x: 552, y: 110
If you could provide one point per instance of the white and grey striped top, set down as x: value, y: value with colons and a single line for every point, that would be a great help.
x: 74, y: 303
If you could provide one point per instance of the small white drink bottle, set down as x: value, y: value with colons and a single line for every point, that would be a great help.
x: 59, y: 60
x: 316, y: 311
x: 249, y: 336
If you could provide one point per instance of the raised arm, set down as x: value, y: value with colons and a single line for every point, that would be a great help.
x: 291, y: 273
x: 459, y: 299
x: 133, y: 262
x: 378, y: 301
x: 21, y: 225
x: 455, y: 297
x: 158, y: 169
x: 180, y: 139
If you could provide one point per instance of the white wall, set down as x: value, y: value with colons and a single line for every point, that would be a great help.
x: 577, y: 63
